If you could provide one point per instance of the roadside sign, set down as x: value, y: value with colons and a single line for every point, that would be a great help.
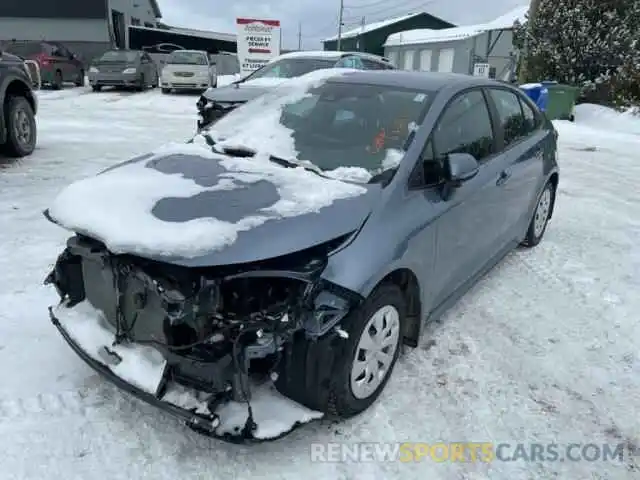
x: 481, y: 70
x: 258, y: 43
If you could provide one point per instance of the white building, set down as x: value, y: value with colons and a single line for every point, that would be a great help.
x: 459, y: 49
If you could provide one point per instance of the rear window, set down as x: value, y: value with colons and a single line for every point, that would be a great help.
x: 119, y: 56
x: 292, y: 67
x: 187, y: 58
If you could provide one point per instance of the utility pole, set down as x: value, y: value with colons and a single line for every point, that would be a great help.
x: 340, y: 17
x: 299, y: 35
x: 361, y: 39
x: 533, y: 10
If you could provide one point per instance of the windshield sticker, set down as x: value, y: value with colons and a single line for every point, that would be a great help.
x: 419, y: 98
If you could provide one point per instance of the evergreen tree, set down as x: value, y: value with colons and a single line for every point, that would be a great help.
x: 590, y: 43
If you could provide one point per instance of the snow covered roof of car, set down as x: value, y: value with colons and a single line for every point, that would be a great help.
x: 427, y: 35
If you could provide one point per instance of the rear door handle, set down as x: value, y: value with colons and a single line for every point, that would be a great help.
x: 504, y: 176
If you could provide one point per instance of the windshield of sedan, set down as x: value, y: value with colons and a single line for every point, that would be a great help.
x: 291, y: 67
x: 187, y: 58
x: 353, y: 131
x: 119, y: 56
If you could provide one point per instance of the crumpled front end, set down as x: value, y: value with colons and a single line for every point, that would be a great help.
x: 202, y: 343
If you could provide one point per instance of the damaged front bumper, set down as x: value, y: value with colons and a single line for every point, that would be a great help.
x: 210, y: 347
x: 205, y: 422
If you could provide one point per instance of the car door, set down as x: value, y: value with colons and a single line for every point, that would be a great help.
x: 467, y: 218
x: 522, y: 149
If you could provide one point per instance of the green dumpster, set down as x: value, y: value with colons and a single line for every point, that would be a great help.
x: 562, y: 101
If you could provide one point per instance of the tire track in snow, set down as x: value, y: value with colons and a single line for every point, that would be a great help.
x: 70, y: 402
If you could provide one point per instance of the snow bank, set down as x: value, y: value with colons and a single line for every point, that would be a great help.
x: 116, y: 206
x: 144, y: 366
x: 605, y: 118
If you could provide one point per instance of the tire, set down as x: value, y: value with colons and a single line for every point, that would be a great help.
x: 541, y: 215
x: 319, y: 374
x: 165, y: 90
x: 57, y: 80
x: 142, y: 87
x: 21, y: 127
x: 80, y: 80
x: 96, y: 88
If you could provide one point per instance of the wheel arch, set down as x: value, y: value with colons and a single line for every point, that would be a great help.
x: 407, y: 281
x: 554, y: 179
x: 13, y: 86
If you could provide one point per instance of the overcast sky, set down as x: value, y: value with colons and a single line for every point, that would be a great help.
x: 319, y: 18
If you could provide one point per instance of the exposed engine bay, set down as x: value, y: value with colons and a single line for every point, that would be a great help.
x: 217, y: 326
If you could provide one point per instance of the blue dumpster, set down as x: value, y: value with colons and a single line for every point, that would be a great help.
x: 537, y: 92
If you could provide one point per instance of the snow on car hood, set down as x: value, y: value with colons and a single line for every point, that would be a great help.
x: 188, y: 205
x: 193, y: 205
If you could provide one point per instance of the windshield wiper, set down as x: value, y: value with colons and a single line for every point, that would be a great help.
x: 291, y: 164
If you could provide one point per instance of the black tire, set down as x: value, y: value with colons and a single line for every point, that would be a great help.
x: 96, y: 88
x: 80, y: 80
x: 57, y: 80
x: 21, y: 127
x: 534, y: 235
x: 318, y: 374
x: 143, y: 85
x: 165, y: 90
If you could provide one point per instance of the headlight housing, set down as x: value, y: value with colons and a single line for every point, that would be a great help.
x: 94, y: 70
x: 129, y: 70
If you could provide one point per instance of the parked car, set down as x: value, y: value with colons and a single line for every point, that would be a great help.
x: 188, y: 70
x: 57, y: 63
x: 305, y: 237
x: 18, y: 107
x: 214, y: 104
x: 123, y: 68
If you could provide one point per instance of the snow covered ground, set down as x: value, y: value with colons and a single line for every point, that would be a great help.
x: 544, y: 349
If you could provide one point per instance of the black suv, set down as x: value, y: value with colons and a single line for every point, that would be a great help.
x: 217, y: 102
x: 18, y: 106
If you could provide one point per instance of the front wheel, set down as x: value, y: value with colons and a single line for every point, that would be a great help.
x: 21, y: 127
x: 541, y: 216
x: 357, y: 368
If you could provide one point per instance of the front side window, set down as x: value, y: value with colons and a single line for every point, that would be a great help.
x: 465, y: 127
x: 333, y: 125
x: 181, y: 57
x: 531, y: 121
x: 510, y: 115
x: 291, y: 67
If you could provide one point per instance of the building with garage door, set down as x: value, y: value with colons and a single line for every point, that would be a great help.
x: 370, y: 37
x: 488, y: 47
x: 86, y: 27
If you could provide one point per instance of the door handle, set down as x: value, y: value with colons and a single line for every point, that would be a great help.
x: 504, y: 176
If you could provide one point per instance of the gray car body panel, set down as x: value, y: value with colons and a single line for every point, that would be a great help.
x: 236, y: 93
x: 112, y: 71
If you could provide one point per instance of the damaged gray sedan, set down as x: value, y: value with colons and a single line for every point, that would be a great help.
x: 276, y: 263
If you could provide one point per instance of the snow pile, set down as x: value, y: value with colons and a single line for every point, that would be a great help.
x: 265, y: 82
x: 606, y: 118
x: 116, y: 206
x: 144, y: 366
x: 141, y: 366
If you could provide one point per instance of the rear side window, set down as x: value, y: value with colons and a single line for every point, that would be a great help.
x: 465, y: 127
x: 510, y: 115
x: 371, y: 65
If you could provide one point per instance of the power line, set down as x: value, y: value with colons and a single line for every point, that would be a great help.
x: 390, y: 12
x: 374, y: 4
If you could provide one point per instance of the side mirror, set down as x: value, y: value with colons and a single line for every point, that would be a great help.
x: 460, y: 167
